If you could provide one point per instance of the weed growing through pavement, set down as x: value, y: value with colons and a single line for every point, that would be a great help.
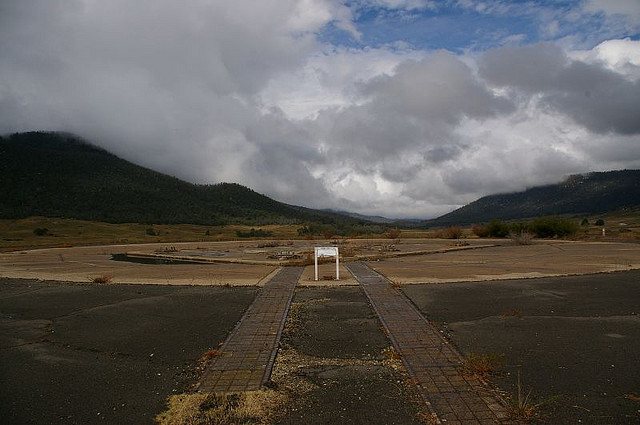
x: 210, y: 354
x: 396, y: 284
x: 482, y: 365
x: 391, y: 353
x: 523, y: 407
x: 105, y: 278
x: 632, y: 397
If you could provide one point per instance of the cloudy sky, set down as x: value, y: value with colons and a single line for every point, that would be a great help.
x: 402, y: 108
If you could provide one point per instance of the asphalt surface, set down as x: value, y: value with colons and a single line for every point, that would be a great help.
x: 342, y: 344
x: 575, y: 339
x: 85, y: 354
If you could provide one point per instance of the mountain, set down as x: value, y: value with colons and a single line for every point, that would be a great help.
x: 593, y: 193
x: 60, y: 175
x: 370, y: 218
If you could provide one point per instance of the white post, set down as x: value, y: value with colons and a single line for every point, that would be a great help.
x: 337, y: 266
x: 315, y: 256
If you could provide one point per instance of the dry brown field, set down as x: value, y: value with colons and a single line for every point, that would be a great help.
x: 404, y: 261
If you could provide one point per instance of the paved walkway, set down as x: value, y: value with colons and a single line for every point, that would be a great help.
x: 246, y: 358
x: 452, y: 397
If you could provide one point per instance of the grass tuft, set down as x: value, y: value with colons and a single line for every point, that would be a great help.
x: 482, y: 365
x: 522, y: 407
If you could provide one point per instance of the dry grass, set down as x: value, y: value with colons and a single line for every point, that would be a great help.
x: 396, y: 284
x: 209, y: 355
x: 452, y: 232
x: 522, y: 238
x: 16, y: 234
x: 252, y: 407
x: 105, y: 278
x: 632, y: 397
x: 511, y: 313
x: 482, y: 365
x: 391, y: 353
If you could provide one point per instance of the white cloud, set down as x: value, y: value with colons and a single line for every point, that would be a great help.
x: 621, y: 56
x: 244, y: 91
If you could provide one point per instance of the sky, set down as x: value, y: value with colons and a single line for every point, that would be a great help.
x: 399, y: 108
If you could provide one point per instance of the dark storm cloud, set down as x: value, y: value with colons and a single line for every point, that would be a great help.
x: 595, y: 97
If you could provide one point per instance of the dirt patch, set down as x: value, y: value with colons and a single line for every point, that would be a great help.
x: 83, y: 264
x: 574, y: 339
x: 543, y: 258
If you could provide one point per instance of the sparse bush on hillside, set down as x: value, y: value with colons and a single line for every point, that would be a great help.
x: 599, y: 222
x: 40, y: 231
x: 151, y: 232
x: 253, y: 233
x: 585, y: 222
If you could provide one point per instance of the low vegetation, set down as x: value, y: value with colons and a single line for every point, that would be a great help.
x: 522, y: 232
x: 522, y: 407
x: 251, y: 407
x: 59, y: 175
x: 105, y: 278
x: 482, y: 365
x: 254, y: 233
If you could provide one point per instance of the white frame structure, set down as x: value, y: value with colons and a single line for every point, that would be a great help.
x: 327, y: 251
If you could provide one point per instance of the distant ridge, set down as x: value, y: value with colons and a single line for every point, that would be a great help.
x: 60, y: 175
x: 593, y: 193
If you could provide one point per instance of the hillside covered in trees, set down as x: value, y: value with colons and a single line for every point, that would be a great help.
x: 59, y: 175
x: 592, y: 193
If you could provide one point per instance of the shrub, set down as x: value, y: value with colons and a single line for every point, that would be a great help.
x: 452, y: 232
x: 522, y: 238
x: 480, y: 231
x: 599, y: 222
x: 498, y: 229
x: 550, y: 227
x: 584, y: 222
x: 151, y: 232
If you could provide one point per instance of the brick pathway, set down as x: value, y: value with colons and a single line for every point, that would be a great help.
x: 452, y: 397
x: 245, y: 360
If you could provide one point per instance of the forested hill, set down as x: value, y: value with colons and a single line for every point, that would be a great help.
x: 592, y: 193
x: 59, y: 175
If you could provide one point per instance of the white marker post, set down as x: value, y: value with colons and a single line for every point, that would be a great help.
x: 327, y: 251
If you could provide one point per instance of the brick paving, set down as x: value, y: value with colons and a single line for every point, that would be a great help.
x: 245, y: 360
x: 451, y: 396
